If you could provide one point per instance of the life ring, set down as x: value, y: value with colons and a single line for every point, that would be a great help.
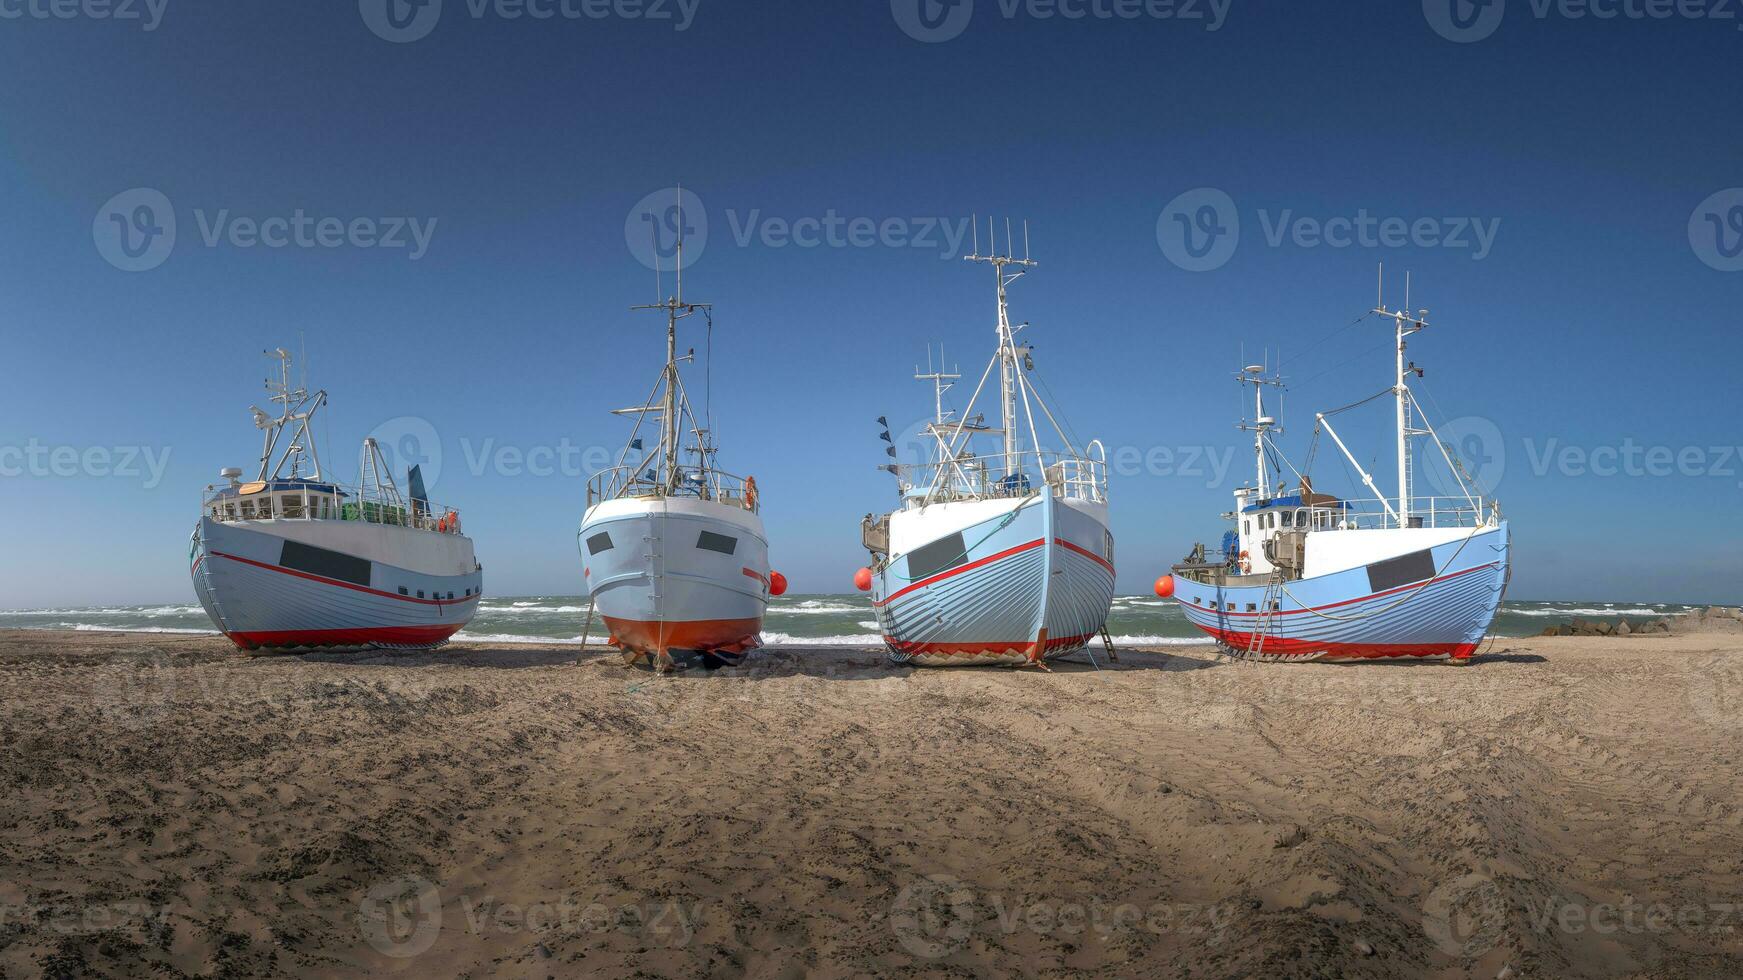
x: 750, y: 493
x: 1246, y: 563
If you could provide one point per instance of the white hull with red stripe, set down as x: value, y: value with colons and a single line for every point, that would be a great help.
x: 291, y: 583
x: 995, y: 581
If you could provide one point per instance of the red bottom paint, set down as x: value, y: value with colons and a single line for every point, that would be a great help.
x: 1284, y: 645
x: 702, y: 635
x: 410, y: 636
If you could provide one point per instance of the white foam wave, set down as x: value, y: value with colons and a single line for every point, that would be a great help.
x: 466, y: 637
x: 529, y: 608
x: 788, y: 640
x: 868, y: 624
x: 1586, y: 611
x: 814, y: 608
x: 95, y: 628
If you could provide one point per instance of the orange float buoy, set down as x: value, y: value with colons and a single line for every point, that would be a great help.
x: 862, y: 580
x: 777, y: 584
x: 1165, y: 586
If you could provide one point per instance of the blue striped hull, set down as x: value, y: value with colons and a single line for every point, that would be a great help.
x: 1037, y: 586
x: 1340, y: 617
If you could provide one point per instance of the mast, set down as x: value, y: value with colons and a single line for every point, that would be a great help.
x: 1262, y: 425
x: 1405, y: 325
x: 297, y: 406
x: 672, y: 407
x: 1008, y: 376
x: 942, y: 381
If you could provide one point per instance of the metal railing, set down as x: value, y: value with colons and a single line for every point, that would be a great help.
x: 1368, y: 515
x: 979, y: 477
x: 711, y: 484
x: 226, y: 504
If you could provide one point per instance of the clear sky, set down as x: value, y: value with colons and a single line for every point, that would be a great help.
x: 1557, y: 185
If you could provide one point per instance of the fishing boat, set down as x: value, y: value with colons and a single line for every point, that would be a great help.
x: 292, y: 560
x: 999, y: 552
x: 673, y: 551
x: 1304, y: 576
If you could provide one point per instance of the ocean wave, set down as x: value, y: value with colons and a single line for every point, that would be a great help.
x: 466, y: 637
x: 869, y: 624
x: 1585, y: 611
x: 528, y: 608
x: 96, y: 628
x: 814, y: 608
x: 788, y: 640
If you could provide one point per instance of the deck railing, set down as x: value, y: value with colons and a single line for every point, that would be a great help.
x: 975, y: 477
x: 313, y: 503
x: 1368, y: 515
x: 711, y: 484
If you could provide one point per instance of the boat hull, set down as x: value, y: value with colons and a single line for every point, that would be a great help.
x: 662, y: 579
x: 1340, y: 616
x: 1034, y: 579
x: 292, y: 584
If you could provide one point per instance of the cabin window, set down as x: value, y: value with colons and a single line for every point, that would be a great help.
x: 1247, y: 525
x: 420, y: 593
x: 598, y: 542
x: 450, y: 595
x: 929, y: 560
x: 327, y: 564
x: 404, y: 591
x: 709, y: 541
x: 1251, y: 607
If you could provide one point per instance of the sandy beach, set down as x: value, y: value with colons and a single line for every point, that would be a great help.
x: 1566, y: 806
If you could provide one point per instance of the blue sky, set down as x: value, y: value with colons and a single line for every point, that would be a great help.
x: 1583, y: 320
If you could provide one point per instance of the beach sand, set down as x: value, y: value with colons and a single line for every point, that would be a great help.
x: 1562, y: 807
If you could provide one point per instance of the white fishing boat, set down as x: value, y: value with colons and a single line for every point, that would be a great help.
x: 1000, y: 551
x: 292, y: 560
x: 673, y: 552
x: 1304, y: 575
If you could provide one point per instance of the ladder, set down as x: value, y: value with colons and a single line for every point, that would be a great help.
x: 1263, y: 623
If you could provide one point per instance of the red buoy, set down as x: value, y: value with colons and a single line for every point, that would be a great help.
x: 777, y: 584
x: 862, y: 580
x: 1165, y: 586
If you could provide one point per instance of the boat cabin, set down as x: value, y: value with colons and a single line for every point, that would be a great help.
x: 1271, y: 533
x: 275, y: 499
